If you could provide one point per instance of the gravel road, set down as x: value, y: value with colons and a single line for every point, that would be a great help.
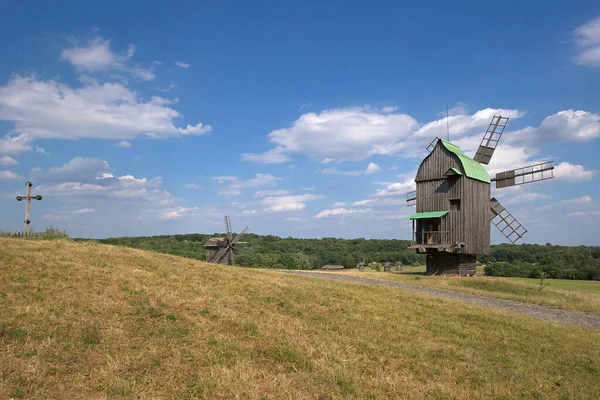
x: 541, y: 312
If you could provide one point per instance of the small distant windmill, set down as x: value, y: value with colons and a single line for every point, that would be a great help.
x: 454, y: 209
x: 220, y: 250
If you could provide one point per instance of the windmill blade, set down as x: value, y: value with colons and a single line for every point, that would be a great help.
x: 242, y: 233
x: 228, y: 227
x: 220, y: 254
x: 432, y: 144
x: 411, y: 198
x: 490, y: 139
x: 530, y: 174
x: 505, y: 222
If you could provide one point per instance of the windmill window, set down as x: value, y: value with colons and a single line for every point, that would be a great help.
x: 455, y: 205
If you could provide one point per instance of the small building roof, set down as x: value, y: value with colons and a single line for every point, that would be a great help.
x: 330, y: 267
x: 453, y: 171
x: 472, y: 168
x: 430, y: 214
x: 216, y: 241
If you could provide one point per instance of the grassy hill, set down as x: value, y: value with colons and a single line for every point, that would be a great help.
x: 268, y: 251
x: 86, y: 320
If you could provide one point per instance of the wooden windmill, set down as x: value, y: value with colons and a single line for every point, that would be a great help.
x: 454, y: 210
x: 220, y: 250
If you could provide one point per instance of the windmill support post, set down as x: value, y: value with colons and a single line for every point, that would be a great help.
x: 451, y: 264
x: 28, y: 197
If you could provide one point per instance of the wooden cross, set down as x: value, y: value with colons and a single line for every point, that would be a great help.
x: 28, y: 197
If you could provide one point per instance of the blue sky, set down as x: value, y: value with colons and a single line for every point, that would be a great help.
x: 303, y: 119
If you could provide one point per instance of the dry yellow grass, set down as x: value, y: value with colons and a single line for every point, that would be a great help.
x: 560, y: 293
x: 95, y: 321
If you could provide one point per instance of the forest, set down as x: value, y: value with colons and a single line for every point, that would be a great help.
x: 267, y: 251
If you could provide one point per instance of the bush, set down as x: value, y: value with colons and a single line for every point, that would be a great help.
x: 49, y: 234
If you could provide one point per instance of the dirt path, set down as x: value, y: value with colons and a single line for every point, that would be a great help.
x: 541, y: 312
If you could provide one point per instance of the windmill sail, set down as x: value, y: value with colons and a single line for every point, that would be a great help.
x: 219, y: 256
x: 229, y: 248
x: 490, y: 139
x: 505, y: 222
x: 237, y: 238
x: 228, y: 227
x: 411, y: 198
x: 532, y: 173
x: 432, y: 144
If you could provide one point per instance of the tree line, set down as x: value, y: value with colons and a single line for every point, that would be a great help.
x: 268, y: 251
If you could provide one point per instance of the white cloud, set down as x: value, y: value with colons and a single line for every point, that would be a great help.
x: 15, y: 143
x: 584, y: 213
x: 525, y: 198
x: 371, y: 169
x: 235, y: 185
x: 6, y: 160
x: 41, y: 151
x: 462, y: 125
x: 287, y: 203
x: 342, y: 134
x: 68, y: 214
x: 357, y: 133
x: 123, y: 144
x: 306, y: 105
x: 341, y: 211
x: 176, y: 213
x: 95, y: 56
x: 167, y: 88
x: 249, y: 212
x: 9, y: 175
x: 396, y: 189
x: 567, y: 203
x: 273, y: 156
x: 50, y: 109
x: 89, y: 178
x: 182, y: 64
x: 79, y: 169
x: 361, y: 203
x: 587, y: 39
x: 572, y: 173
x: 265, y: 193
x: 198, y: 129
x: 191, y: 186
x: 339, y: 204
x: 563, y: 126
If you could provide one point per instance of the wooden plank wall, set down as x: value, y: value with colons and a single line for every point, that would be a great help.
x: 472, y: 223
x: 476, y: 210
x: 434, y: 192
x: 434, y: 195
x: 435, y: 165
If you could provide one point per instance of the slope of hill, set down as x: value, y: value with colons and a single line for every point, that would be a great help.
x: 85, y: 320
x: 524, y: 260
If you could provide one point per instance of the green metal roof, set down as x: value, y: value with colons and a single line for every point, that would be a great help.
x: 472, y: 168
x: 430, y: 214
